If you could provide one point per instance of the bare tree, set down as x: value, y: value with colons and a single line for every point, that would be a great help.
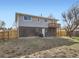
x: 2, y: 27
x: 71, y: 19
x: 2, y: 24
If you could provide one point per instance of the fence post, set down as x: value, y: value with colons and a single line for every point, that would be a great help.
x: 8, y: 34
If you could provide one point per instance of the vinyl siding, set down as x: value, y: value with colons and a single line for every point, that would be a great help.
x: 31, y: 23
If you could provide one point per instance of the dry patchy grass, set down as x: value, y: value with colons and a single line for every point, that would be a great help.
x: 37, y: 47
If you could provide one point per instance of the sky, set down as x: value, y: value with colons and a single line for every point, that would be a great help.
x: 8, y: 8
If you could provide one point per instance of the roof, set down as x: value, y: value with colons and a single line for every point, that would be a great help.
x: 34, y: 16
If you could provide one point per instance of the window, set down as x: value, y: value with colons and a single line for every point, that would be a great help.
x: 27, y: 17
x: 45, y: 20
x: 38, y: 19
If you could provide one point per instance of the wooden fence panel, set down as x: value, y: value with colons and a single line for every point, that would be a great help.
x: 61, y: 33
x: 1, y: 35
x: 11, y: 34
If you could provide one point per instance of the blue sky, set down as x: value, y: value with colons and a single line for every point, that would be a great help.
x: 8, y: 8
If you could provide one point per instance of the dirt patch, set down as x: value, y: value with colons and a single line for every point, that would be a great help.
x: 37, y: 47
x: 58, y: 52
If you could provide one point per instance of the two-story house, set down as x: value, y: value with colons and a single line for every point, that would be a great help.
x: 30, y: 25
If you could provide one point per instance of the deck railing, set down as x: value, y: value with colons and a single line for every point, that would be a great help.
x: 53, y: 25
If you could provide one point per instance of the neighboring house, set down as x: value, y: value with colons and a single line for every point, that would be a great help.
x: 30, y: 25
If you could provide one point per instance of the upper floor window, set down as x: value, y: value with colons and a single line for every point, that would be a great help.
x: 46, y: 20
x: 27, y: 17
x: 38, y: 19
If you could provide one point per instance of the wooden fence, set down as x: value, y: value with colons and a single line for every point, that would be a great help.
x: 61, y: 32
x: 8, y: 34
x: 12, y: 34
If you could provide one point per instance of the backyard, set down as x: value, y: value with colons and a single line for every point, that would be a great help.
x: 50, y: 47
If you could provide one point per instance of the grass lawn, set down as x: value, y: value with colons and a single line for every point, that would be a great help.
x: 39, y: 47
x: 76, y: 39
